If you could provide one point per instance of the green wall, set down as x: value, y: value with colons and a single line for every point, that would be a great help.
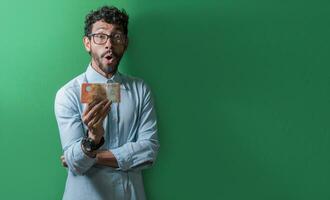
x: 241, y: 88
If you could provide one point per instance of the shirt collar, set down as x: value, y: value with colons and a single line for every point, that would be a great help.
x: 93, y: 76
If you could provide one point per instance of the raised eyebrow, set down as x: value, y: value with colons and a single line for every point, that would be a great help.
x: 115, y: 29
x: 118, y: 30
x: 101, y: 28
x: 115, y: 32
x: 99, y: 31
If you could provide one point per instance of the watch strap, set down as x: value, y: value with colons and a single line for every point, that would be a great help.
x: 88, y: 146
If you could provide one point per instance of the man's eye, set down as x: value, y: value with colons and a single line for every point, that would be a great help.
x: 101, y: 36
x: 117, y: 36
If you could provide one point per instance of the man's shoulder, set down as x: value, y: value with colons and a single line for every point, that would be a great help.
x: 133, y: 81
x: 72, y: 87
x: 130, y: 78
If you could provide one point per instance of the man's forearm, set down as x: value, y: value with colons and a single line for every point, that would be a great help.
x: 106, y: 158
x: 102, y: 158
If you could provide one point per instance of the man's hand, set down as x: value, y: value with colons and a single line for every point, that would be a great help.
x: 64, y: 164
x: 93, y: 117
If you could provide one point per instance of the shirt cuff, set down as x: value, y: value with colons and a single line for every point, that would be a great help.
x: 77, y: 160
x: 123, y: 158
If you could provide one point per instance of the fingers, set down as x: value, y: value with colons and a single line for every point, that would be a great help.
x: 96, y: 109
x: 98, y: 119
x: 64, y: 164
x: 105, y: 112
x: 93, y: 111
x: 106, y: 108
x: 90, y: 106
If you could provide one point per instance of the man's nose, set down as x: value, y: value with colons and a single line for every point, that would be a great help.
x: 108, y: 44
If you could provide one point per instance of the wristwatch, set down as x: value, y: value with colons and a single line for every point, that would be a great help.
x: 88, y: 145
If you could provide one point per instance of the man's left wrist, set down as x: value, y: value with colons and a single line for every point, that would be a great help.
x: 88, y: 152
x: 90, y: 146
x: 96, y: 139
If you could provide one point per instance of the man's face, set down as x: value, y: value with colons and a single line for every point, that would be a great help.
x: 106, y: 55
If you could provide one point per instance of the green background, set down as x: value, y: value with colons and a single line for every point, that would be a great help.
x: 241, y: 88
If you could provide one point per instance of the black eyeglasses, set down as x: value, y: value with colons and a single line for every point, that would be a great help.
x: 101, y: 38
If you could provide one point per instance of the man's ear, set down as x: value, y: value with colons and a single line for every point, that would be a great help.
x: 87, y: 44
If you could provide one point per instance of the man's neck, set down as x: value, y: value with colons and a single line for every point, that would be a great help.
x: 100, y: 71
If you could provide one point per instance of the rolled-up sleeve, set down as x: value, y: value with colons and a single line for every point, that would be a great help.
x: 71, y: 133
x: 142, y: 153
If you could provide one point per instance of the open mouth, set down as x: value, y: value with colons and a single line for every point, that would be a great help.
x: 108, y: 57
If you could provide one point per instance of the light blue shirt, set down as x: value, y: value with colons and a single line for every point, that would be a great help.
x: 130, y: 134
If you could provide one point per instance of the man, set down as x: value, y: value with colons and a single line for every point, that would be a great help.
x: 106, y: 144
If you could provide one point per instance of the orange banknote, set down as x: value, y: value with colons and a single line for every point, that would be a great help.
x: 99, y: 91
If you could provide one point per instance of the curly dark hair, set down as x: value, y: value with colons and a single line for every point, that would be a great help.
x: 111, y: 15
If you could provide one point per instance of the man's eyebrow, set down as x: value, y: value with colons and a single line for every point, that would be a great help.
x: 100, y: 28
x: 115, y: 29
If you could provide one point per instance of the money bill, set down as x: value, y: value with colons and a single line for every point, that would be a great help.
x: 94, y: 91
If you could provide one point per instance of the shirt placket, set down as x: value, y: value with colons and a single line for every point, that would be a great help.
x: 113, y: 124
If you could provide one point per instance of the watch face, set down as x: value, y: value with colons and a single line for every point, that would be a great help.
x: 87, y: 145
x: 91, y: 144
